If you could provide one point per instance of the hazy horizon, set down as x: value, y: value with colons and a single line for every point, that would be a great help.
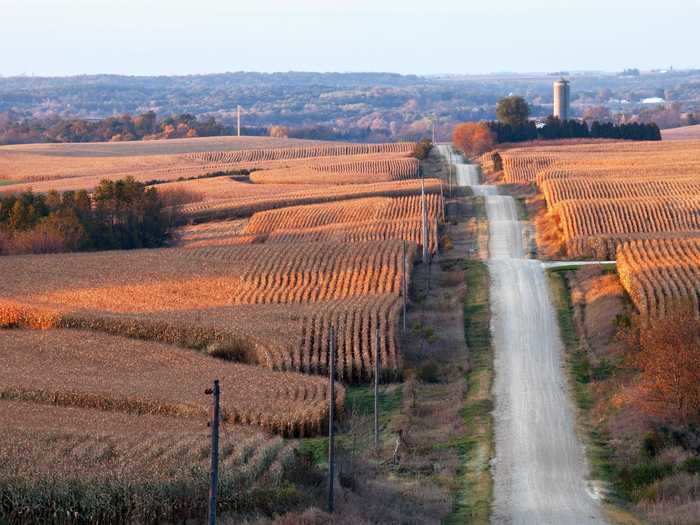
x: 84, y: 37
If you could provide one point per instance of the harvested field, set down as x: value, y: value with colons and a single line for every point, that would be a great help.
x: 660, y: 275
x: 682, y: 133
x: 159, y: 147
x: 72, y: 368
x: 79, y: 169
x: 255, y: 198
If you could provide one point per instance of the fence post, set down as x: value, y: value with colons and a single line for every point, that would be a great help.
x: 331, y: 417
x: 214, y: 470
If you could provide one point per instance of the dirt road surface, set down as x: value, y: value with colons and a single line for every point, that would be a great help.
x: 540, y: 468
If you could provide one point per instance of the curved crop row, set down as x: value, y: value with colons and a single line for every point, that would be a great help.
x: 661, y: 275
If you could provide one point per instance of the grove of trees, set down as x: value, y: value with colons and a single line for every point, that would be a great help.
x: 122, y: 214
x: 513, y: 111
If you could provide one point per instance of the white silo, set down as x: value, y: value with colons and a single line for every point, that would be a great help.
x: 561, y: 99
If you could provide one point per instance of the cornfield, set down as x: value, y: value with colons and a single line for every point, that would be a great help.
x: 601, y: 195
x: 522, y: 165
x: 62, y: 171
x: 582, y: 220
x: 349, y: 172
x: 661, y: 275
x: 104, y: 369
x: 113, y: 467
x: 325, y: 150
x: 262, y: 197
x: 357, y: 210
x: 585, y: 189
x: 230, y: 299
x: 71, y: 368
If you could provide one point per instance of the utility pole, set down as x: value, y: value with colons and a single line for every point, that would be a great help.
x: 424, y: 218
x: 449, y: 169
x: 437, y: 238
x: 404, y: 286
x: 434, y: 119
x: 238, y: 119
x: 214, y: 471
x: 442, y: 200
x: 331, y: 417
x: 376, y: 395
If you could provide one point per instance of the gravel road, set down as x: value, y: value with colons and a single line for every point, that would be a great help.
x: 540, y: 468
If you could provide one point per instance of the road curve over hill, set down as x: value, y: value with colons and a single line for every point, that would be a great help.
x: 540, y: 468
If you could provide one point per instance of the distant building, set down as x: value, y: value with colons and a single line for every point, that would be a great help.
x: 653, y: 100
x: 562, y: 97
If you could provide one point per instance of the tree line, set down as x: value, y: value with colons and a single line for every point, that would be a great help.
x: 119, y: 128
x: 122, y: 214
x: 514, y: 125
x: 554, y: 129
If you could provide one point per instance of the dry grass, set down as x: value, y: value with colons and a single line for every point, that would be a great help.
x: 73, y: 368
x: 597, y: 298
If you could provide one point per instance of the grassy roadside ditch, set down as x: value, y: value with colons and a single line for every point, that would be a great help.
x: 580, y: 371
x: 359, y: 404
x: 476, y: 447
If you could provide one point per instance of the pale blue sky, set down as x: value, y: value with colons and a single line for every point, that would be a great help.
x: 144, y: 37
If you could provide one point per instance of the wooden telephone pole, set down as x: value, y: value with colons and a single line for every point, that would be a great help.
x: 376, y: 394
x: 331, y: 420
x: 214, y: 470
